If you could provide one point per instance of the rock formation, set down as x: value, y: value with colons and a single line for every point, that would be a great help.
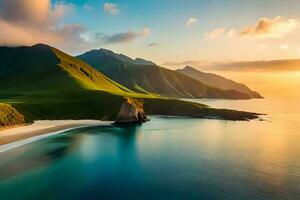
x: 131, y: 112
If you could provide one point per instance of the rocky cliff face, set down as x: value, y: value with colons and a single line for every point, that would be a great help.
x: 131, y: 112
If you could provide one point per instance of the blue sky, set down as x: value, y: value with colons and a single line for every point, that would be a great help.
x: 217, y: 31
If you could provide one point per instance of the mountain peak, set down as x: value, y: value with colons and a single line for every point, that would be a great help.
x: 108, y: 54
x: 188, y: 68
x: 41, y: 48
x: 105, y: 51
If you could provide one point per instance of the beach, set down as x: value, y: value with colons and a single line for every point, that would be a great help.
x: 41, y: 128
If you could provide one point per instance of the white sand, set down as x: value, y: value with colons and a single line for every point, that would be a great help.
x: 14, y: 137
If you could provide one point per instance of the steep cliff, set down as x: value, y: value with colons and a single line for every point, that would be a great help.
x: 132, y: 111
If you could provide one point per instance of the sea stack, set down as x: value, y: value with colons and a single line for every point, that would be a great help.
x: 131, y: 112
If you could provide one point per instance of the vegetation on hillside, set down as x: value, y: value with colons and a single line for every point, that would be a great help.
x: 152, y: 79
x: 44, y: 83
x: 9, y: 116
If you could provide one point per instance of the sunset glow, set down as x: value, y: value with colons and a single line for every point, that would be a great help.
x: 204, y: 31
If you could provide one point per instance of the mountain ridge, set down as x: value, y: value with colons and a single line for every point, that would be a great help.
x: 217, y: 81
x: 42, y: 82
x: 152, y: 79
x: 119, y: 57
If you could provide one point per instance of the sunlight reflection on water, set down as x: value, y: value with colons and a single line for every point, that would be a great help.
x: 166, y: 158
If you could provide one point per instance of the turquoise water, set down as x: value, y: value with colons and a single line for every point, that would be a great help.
x: 167, y: 158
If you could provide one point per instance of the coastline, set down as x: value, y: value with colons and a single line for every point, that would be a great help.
x: 17, y: 136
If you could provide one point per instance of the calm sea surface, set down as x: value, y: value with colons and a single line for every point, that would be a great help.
x: 167, y: 158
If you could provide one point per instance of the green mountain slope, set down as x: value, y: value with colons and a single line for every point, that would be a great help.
x: 9, y: 116
x: 152, y: 79
x: 41, y: 82
x: 45, y: 83
x: 215, y: 80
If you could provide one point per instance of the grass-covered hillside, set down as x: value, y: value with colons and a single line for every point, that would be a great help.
x: 9, y: 116
x: 152, y: 79
x: 41, y: 82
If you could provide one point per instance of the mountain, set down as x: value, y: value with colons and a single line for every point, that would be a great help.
x: 140, y: 61
x: 41, y: 82
x: 215, y: 80
x: 43, y: 67
x: 152, y: 79
x: 108, y: 56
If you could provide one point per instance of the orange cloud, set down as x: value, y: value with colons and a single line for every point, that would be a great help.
x: 33, y: 12
x: 267, y: 28
x: 26, y: 22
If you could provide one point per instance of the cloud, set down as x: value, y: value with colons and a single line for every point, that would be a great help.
x: 153, y: 44
x: 269, y: 28
x: 111, y: 8
x: 214, y: 34
x: 125, y: 37
x: 191, y: 21
x: 26, y: 22
x: 194, y: 63
x: 251, y: 66
x: 264, y: 28
x: 17, y: 11
x: 231, y: 33
x: 33, y: 12
x: 257, y: 66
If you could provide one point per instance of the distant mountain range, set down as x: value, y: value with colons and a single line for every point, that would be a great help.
x: 42, y: 82
x: 215, y: 80
x: 148, y: 78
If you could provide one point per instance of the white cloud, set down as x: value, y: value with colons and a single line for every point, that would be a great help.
x: 191, y: 21
x: 111, y: 8
x: 264, y: 28
x: 214, y: 34
x: 269, y: 28
x: 231, y: 33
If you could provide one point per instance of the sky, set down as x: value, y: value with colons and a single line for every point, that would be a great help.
x: 168, y: 32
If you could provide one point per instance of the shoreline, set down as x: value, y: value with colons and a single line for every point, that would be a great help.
x: 17, y: 136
